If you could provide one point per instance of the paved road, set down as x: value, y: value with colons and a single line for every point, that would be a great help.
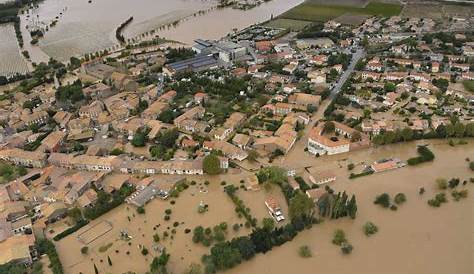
x: 289, y: 160
x: 359, y: 54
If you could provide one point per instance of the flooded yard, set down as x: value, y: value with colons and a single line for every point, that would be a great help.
x: 142, y: 227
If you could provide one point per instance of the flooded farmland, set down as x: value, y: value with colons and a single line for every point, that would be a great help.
x: 11, y: 61
x: 81, y: 27
x: 439, y: 242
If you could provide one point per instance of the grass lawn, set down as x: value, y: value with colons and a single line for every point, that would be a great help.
x: 469, y: 85
x: 382, y: 9
x: 321, y: 13
x: 290, y: 24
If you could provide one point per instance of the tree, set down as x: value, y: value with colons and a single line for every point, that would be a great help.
x: 109, y: 260
x: 84, y: 250
x: 339, y: 237
x: 383, y: 200
x: 96, y: 271
x: 76, y: 214
x: 407, y: 134
x: 268, y: 224
x: 252, y: 155
x: 211, y: 165
x: 352, y: 207
x: 168, y: 137
x: 346, y: 248
x: 193, y: 268
x: 224, y: 256
x: 300, y: 206
x: 157, y: 151
x: 400, y: 198
x: 245, y: 246
x: 459, y: 130
x: 158, y: 265
x: 355, y: 137
x: 74, y: 62
x: 140, y: 210
x: 389, y: 87
x: 116, y: 151
x: 70, y: 93
x: 471, y: 165
x: 140, y: 138
x: 329, y: 127
x: 370, y: 228
x: 470, y: 130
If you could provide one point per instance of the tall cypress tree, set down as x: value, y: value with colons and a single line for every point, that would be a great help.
x: 96, y: 270
x: 353, y: 207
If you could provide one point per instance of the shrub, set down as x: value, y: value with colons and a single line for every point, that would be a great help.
x: 458, y: 195
x: 156, y: 238
x: 421, y: 191
x: 85, y: 250
x: 144, y: 251
x: 438, y: 200
x: 141, y: 210
x: 393, y: 207
x: 454, y: 182
x: 426, y: 155
x: 339, y: 237
x: 370, y: 228
x: 167, y: 217
x: 441, y: 183
x: 471, y: 165
x: 168, y: 211
x: 400, y: 198
x: 346, y: 248
x: 305, y: 252
x: 383, y: 200
x: 350, y: 166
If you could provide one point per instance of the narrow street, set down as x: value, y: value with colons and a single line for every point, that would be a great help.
x: 300, y: 144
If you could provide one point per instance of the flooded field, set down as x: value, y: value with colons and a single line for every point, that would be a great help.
x: 218, y: 23
x: 414, y: 239
x: 142, y: 228
x: 11, y: 61
x: 82, y: 27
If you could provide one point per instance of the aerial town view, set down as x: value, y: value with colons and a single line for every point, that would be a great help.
x: 236, y: 136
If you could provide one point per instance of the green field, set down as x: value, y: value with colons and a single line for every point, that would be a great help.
x: 320, y: 13
x: 290, y: 24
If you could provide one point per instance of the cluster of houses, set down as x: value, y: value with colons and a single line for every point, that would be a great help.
x: 74, y: 150
x: 418, y: 82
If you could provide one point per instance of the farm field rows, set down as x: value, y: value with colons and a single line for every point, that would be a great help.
x: 320, y: 13
x: 11, y: 60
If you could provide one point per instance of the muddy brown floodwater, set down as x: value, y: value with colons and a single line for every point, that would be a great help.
x: 415, y: 239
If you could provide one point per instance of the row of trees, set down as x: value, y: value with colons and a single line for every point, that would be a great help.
x: 226, y: 255
x: 240, y: 207
x: 426, y: 155
x: 106, y: 202
x: 455, y: 129
x: 337, y: 206
x: 70, y: 93
x: 45, y: 246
